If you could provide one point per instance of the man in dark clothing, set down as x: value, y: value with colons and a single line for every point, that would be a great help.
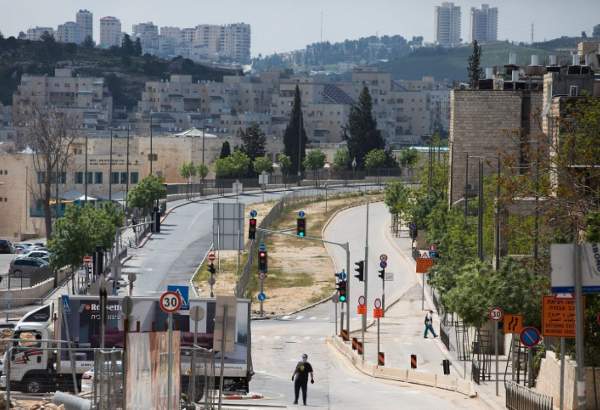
x: 300, y: 378
x: 429, y: 324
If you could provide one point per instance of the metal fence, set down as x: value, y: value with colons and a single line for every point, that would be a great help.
x: 108, y: 380
x: 201, y: 379
x: 522, y: 398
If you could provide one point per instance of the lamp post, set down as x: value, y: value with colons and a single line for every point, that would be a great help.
x: 85, y: 178
x: 127, y: 170
x: 151, y: 150
x: 110, y: 167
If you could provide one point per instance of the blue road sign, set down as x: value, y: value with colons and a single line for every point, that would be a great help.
x: 66, y: 304
x: 184, y: 293
x: 262, y: 247
x: 262, y: 296
x: 253, y: 213
x: 301, y: 214
x: 383, y: 264
x: 530, y: 336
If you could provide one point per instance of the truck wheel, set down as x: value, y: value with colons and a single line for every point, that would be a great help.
x: 33, y: 386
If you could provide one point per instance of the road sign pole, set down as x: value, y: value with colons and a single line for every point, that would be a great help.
x: 580, y: 385
x: 383, y: 292
x: 335, y: 318
x: 496, y: 353
x: 347, y: 292
x: 170, y: 360
x: 562, y: 374
x: 262, y: 289
x: 423, y: 293
x: 378, y: 340
x: 366, y: 277
x: 222, y: 356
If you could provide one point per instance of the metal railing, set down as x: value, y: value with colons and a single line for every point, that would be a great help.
x: 108, y: 380
x: 201, y: 380
x: 522, y: 398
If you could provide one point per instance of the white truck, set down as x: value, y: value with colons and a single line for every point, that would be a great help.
x: 42, y: 366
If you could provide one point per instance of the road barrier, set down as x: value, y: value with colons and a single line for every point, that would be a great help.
x: 522, y: 398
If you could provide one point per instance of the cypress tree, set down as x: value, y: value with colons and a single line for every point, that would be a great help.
x: 294, y: 134
x: 361, y: 132
x: 225, y: 150
x: 475, y: 71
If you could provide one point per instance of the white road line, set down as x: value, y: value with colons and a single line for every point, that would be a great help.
x: 299, y: 317
x: 277, y: 337
x: 286, y: 317
x: 313, y: 318
x: 306, y: 337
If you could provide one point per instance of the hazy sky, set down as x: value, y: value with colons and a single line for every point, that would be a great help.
x: 283, y: 25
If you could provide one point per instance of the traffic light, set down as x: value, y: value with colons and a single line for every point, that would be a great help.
x: 301, y: 227
x: 360, y: 270
x: 211, y: 268
x: 262, y: 261
x: 342, y: 292
x: 252, y: 229
x: 382, y: 273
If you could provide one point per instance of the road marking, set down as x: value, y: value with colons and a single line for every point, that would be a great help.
x: 306, y: 337
x: 286, y: 317
x: 299, y: 317
x: 277, y: 337
x: 313, y: 318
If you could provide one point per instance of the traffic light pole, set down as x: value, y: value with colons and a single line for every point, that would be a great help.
x: 345, y: 246
x: 364, y: 317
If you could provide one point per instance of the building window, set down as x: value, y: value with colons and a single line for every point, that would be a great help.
x: 114, y: 178
x: 63, y: 178
x: 90, y: 177
x: 41, y: 177
x: 134, y: 177
x: 123, y: 178
x: 79, y: 177
x: 98, y: 178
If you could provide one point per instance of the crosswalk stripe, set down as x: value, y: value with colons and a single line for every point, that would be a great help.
x: 313, y: 318
x: 299, y: 317
x: 286, y: 317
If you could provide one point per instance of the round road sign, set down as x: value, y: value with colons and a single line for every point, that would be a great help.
x: 197, y: 313
x: 262, y: 275
x: 362, y: 300
x: 262, y: 296
x: 211, y: 256
x: 530, y: 336
x: 301, y: 214
x: 131, y: 277
x: 383, y: 264
x: 383, y: 257
x: 496, y: 314
x: 170, y: 302
x: 253, y: 213
x: 377, y: 303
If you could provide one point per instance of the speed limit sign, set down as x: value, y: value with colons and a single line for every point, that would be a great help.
x: 496, y: 314
x: 170, y: 302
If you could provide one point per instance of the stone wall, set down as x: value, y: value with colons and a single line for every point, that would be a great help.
x: 548, y: 381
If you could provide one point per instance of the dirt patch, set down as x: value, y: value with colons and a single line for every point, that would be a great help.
x: 300, y: 271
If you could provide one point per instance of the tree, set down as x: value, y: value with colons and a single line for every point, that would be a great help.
x: 398, y: 199
x: 88, y: 43
x: 234, y: 166
x: 225, y: 150
x: 253, y: 141
x: 361, y: 132
x: 79, y: 232
x: 341, y: 159
x: 474, y: 68
x: 375, y: 159
x: 202, y: 171
x: 262, y: 164
x: 408, y: 157
x: 285, y: 163
x: 187, y: 171
x: 137, y: 47
x: 145, y: 194
x: 127, y: 48
x: 49, y: 133
x: 315, y: 160
x: 294, y: 138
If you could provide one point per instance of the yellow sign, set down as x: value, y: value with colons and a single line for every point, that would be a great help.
x: 558, y: 317
x: 513, y: 323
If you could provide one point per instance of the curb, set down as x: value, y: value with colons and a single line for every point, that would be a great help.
x: 422, y: 378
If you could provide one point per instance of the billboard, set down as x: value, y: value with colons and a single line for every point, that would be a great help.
x: 563, y: 277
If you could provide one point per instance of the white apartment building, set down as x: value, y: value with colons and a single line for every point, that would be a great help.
x: 69, y: 32
x: 85, y: 20
x: 86, y: 99
x: 148, y: 35
x: 110, y: 32
x: 447, y: 25
x: 36, y: 33
x: 484, y: 24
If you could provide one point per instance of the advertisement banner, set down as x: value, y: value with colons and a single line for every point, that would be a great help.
x: 563, y: 278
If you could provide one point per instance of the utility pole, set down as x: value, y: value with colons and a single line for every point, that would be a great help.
x: 151, y: 151
x: 480, y: 213
x: 498, y: 215
x: 110, y: 167
x: 85, y: 178
x: 579, y: 326
x: 300, y: 144
x: 364, y: 317
x: 466, y: 187
x: 127, y: 170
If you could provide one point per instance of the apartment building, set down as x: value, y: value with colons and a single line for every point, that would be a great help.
x: 36, y: 33
x: 110, y: 32
x: 85, y: 20
x: 69, y: 32
x: 148, y: 35
x: 447, y: 25
x: 86, y: 99
x: 484, y: 24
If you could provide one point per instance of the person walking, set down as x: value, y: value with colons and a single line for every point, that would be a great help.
x: 300, y: 378
x: 429, y: 324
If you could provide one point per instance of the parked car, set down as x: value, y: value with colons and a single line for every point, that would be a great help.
x: 40, y: 254
x: 6, y: 246
x: 28, y: 267
x: 87, y: 379
x: 40, y: 244
x: 21, y: 249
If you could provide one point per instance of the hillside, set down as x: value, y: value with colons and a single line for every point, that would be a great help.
x: 125, y: 72
x: 451, y: 63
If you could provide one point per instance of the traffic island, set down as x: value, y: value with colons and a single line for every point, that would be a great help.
x: 451, y: 383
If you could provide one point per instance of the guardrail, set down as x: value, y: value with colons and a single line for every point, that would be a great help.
x: 522, y: 398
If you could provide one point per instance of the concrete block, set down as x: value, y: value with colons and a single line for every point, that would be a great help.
x: 446, y: 382
x: 465, y: 387
x: 420, y: 377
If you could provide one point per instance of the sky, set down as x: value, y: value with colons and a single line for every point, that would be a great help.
x: 284, y: 25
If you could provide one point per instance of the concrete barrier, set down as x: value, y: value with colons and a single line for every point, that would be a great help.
x: 451, y: 383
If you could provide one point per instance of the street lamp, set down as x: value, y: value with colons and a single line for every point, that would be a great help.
x: 151, y: 151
